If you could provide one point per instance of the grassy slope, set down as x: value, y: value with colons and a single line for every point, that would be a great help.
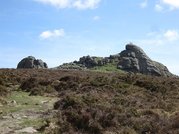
x: 27, y: 111
x: 18, y: 110
x: 24, y: 102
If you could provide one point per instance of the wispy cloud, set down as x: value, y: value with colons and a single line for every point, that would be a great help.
x: 144, y: 4
x: 51, y: 34
x: 168, y: 5
x: 57, y: 3
x: 85, y: 4
x: 78, y: 4
x: 174, y: 4
x: 171, y: 35
x: 96, y: 18
x: 159, y: 8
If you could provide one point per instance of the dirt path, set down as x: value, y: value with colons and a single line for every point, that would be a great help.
x: 25, y: 114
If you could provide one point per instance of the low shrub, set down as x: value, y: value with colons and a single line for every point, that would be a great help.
x: 3, y: 91
x: 29, y: 84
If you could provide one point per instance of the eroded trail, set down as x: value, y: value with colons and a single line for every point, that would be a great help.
x: 24, y: 113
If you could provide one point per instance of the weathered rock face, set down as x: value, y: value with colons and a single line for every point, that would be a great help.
x: 31, y: 62
x: 90, y: 62
x: 134, y: 59
x: 71, y: 66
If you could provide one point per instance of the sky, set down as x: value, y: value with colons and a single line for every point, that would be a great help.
x: 61, y: 31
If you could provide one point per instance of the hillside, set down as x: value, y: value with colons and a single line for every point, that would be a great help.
x: 89, y: 67
x: 72, y: 101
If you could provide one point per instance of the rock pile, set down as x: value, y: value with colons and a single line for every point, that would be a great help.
x: 31, y: 62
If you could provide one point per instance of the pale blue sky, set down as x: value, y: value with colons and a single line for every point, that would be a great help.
x: 59, y: 31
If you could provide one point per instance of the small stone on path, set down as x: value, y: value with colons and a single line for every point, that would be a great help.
x: 29, y: 130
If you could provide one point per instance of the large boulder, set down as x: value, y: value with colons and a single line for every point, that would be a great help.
x: 134, y: 59
x: 31, y: 62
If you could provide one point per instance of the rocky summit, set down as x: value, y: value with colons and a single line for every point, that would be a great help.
x: 31, y: 62
x: 134, y: 59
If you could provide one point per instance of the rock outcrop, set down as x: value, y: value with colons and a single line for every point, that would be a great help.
x: 134, y: 59
x: 71, y: 66
x: 90, y: 62
x: 85, y: 62
x: 30, y: 62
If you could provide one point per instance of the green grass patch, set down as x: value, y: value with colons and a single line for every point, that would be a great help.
x: 36, y: 123
x: 107, y: 68
x: 24, y: 102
